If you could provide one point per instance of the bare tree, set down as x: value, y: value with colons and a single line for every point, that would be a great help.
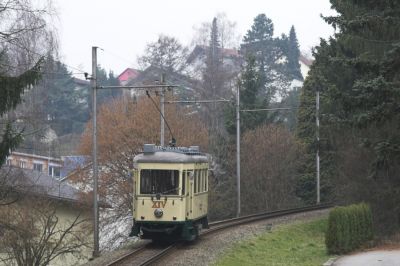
x: 33, y: 233
x: 26, y: 33
x: 7, y: 195
x: 167, y: 53
x: 270, y: 157
x: 25, y: 38
x: 227, y: 34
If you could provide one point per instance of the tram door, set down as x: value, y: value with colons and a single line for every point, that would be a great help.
x: 189, y: 193
x: 135, y: 174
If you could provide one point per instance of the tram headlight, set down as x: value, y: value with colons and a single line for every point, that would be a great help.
x: 158, y: 213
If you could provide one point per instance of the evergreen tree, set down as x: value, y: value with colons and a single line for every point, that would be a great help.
x: 293, y: 56
x: 260, y: 43
x: 292, y: 100
x: 212, y: 75
x: 249, y: 86
x: 262, y: 30
x: 215, y: 46
x: 213, y: 82
x: 65, y: 105
x: 24, y: 36
x: 11, y: 90
x: 357, y: 75
x: 105, y: 79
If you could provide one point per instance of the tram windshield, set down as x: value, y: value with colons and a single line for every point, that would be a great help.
x: 165, y: 182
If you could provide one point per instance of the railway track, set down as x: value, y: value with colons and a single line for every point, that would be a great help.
x: 145, y: 255
x: 151, y: 253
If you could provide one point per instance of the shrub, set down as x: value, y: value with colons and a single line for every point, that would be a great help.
x: 348, y: 228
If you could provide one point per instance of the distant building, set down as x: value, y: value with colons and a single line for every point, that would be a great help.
x: 57, y: 168
x: 152, y: 76
x: 305, y: 64
x: 196, y: 63
x: 197, y: 60
x: 127, y: 75
x: 81, y: 83
x: 67, y: 203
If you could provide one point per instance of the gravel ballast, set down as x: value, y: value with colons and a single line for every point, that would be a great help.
x: 209, y: 248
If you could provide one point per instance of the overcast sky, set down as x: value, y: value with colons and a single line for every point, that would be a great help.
x: 123, y: 28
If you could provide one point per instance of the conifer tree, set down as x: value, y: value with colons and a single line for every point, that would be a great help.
x: 107, y: 79
x: 213, y: 81
x: 23, y: 25
x: 293, y: 56
x: 356, y: 73
x: 249, y: 86
x: 65, y: 106
x: 260, y: 43
x: 11, y: 90
x: 212, y: 74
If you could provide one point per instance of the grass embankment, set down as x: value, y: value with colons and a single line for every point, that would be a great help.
x: 294, y: 244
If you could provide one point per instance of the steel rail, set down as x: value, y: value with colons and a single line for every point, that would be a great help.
x: 161, y: 254
x: 125, y: 256
x: 220, y: 225
x: 284, y: 211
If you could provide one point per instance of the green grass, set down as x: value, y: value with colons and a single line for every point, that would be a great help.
x: 295, y: 244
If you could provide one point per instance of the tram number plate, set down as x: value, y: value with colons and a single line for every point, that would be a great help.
x: 159, y: 204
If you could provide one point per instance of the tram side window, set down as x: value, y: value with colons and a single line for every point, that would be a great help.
x: 195, y: 181
x: 206, y: 183
x: 201, y: 180
x: 205, y: 179
x: 198, y: 181
x: 159, y: 181
x: 184, y: 174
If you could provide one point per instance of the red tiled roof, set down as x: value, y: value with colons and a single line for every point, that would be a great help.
x: 128, y: 73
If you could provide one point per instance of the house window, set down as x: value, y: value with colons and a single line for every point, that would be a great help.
x: 38, y: 167
x: 54, y: 171
x: 22, y: 164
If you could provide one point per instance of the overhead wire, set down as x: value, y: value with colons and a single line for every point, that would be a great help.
x: 117, y: 56
x: 47, y: 72
x: 173, y: 140
x: 80, y: 71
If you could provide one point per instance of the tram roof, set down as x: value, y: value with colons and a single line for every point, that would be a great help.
x: 158, y: 154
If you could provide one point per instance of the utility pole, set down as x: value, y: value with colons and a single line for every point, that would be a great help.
x: 238, y: 149
x: 162, y: 107
x: 95, y: 87
x: 96, y: 251
x: 317, y: 156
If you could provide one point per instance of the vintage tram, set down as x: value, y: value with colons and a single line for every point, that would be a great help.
x: 170, y: 193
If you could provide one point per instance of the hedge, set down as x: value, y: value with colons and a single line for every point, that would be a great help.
x: 348, y: 228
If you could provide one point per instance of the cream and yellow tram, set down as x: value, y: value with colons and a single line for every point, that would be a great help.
x: 170, y: 193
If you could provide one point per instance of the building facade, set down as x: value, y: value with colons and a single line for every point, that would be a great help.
x: 34, y: 197
x: 58, y: 168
